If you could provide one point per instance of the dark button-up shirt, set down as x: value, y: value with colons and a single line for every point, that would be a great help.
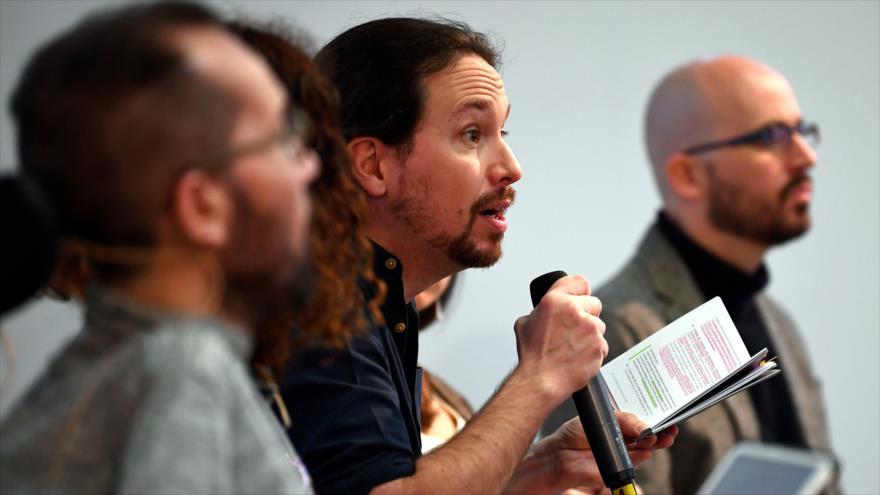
x: 355, y: 413
x: 772, y: 399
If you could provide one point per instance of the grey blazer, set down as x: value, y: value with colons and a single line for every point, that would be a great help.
x: 655, y: 288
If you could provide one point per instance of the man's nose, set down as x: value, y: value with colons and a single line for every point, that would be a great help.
x: 801, y: 155
x: 505, y: 169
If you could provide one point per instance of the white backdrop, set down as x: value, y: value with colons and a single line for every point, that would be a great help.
x: 578, y: 75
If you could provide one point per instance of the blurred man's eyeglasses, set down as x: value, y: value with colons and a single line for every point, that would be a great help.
x: 772, y: 136
x: 290, y: 139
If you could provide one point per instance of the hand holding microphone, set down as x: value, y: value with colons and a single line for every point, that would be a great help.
x: 561, y: 340
x: 593, y: 404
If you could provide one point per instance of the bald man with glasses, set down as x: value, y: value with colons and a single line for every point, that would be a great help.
x: 731, y: 156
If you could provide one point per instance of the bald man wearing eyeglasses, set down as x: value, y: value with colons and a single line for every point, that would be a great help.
x: 731, y: 156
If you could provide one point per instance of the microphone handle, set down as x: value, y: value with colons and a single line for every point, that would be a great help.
x: 593, y: 404
x: 603, y: 432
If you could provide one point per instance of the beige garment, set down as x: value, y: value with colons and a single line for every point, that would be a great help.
x: 438, y: 397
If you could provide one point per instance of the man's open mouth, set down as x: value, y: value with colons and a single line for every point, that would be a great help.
x: 497, y: 213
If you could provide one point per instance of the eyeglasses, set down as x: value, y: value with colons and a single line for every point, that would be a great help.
x: 773, y: 136
x: 290, y: 139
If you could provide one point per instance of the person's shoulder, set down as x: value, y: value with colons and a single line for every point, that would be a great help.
x: 631, y: 282
x: 629, y: 292
x: 194, y: 349
x: 370, y: 341
x: 781, y: 327
x: 90, y: 361
x: 771, y: 308
x: 631, y: 308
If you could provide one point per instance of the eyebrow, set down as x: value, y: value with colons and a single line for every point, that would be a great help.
x: 480, y: 105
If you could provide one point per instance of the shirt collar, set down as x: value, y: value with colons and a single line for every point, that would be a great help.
x: 713, y: 276
x: 387, y: 266
x: 400, y: 315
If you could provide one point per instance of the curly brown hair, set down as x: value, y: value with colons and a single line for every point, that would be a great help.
x: 341, y: 252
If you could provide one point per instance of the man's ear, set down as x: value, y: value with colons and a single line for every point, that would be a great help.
x: 370, y: 170
x: 202, y: 209
x: 686, y: 176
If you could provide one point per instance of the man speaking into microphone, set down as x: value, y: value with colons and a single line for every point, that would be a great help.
x: 423, y: 111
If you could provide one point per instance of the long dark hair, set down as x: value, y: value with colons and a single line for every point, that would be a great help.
x: 378, y: 68
x: 341, y: 252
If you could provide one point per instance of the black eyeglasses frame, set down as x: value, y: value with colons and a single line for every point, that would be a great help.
x: 294, y: 134
x: 770, y: 135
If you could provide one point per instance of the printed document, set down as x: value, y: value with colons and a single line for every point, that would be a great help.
x: 693, y: 363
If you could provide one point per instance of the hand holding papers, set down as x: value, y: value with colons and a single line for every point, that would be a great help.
x: 691, y: 364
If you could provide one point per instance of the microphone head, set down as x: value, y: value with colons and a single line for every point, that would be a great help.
x: 542, y: 284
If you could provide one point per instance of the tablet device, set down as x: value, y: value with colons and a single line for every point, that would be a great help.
x: 753, y: 468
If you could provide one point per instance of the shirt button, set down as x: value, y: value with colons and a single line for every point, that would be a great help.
x: 400, y: 327
x: 391, y: 263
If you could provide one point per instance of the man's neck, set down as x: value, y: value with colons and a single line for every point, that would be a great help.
x: 423, y: 266
x: 184, y: 287
x: 743, y: 253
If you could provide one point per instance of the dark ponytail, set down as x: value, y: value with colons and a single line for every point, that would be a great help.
x: 30, y: 240
x: 379, y: 66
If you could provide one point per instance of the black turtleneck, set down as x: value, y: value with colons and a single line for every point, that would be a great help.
x: 714, y: 277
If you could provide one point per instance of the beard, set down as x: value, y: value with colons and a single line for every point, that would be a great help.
x: 264, y: 277
x: 412, y: 210
x: 736, y: 210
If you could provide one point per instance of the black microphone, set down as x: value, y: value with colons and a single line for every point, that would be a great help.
x: 594, y: 408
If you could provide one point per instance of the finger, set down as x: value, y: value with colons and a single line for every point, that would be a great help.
x: 579, y: 471
x: 573, y: 431
x: 595, y: 489
x: 630, y: 424
x: 662, y: 440
x: 573, y: 426
x: 647, y: 443
x: 589, y: 339
x: 590, y: 325
x: 666, y: 438
x: 639, y: 456
x: 576, y: 285
x: 591, y: 304
x: 599, y: 324
x: 604, y: 346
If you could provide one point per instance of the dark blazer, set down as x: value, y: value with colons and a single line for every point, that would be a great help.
x: 653, y: 289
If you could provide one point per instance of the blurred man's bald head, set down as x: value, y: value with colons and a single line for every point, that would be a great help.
x: 731, y: 155
x: 703, y: 101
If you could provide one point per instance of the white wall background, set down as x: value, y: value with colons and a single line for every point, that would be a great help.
x: 578, y: 75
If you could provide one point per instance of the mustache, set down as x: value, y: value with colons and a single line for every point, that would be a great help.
x: 794, y: 183
x: 487, y: 200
